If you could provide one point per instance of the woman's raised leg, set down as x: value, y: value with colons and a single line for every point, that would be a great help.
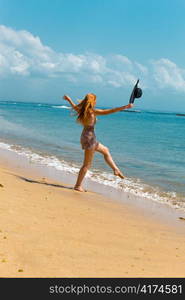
x: 88, y: 158
x: 108, y: 158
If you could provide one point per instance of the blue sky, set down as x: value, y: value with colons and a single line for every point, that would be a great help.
x: 49, y: 48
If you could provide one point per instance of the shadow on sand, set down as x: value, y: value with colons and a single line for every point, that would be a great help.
x: 43, y: 182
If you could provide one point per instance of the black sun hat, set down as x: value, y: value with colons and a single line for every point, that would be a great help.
x: 136, y: 93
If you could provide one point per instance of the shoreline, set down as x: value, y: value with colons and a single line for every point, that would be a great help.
x: 135, y: 184
x: 161, y: 212
x: 49, y: 230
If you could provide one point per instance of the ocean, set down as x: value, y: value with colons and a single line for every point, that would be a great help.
x: 148, y: 146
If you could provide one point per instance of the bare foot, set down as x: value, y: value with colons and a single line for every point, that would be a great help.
x: 79, y: 189
x: 117, y: 172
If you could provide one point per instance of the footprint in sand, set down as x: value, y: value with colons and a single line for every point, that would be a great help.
x: 181, y: 218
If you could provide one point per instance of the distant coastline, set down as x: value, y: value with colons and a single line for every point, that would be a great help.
x: 180, y: 115
x: 60, y: 105
x: 131, y: 111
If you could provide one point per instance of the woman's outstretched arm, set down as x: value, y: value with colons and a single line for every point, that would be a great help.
x: 112, y: 110
x: 67, y: 98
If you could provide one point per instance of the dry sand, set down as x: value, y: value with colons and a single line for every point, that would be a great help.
x: 53, y: 231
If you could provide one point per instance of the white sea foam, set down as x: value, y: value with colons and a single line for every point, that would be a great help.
x: 61, y: 106
x: 5, y: 146
x: 129, y: 185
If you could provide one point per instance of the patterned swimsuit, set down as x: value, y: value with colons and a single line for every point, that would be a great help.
x: 88, y: 137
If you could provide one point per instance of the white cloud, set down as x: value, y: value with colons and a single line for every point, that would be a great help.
x: 142, y: 68
x: 168, y: 74
x: 23, y: 54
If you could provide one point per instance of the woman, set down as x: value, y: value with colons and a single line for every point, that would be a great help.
x: 86, y: 115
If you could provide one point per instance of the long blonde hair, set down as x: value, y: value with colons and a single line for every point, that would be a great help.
x: 85, y: 108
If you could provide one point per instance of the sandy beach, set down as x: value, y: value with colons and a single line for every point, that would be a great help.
x: 49, y: 230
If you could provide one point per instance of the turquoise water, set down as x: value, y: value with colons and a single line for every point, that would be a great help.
x: 149, y: 147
